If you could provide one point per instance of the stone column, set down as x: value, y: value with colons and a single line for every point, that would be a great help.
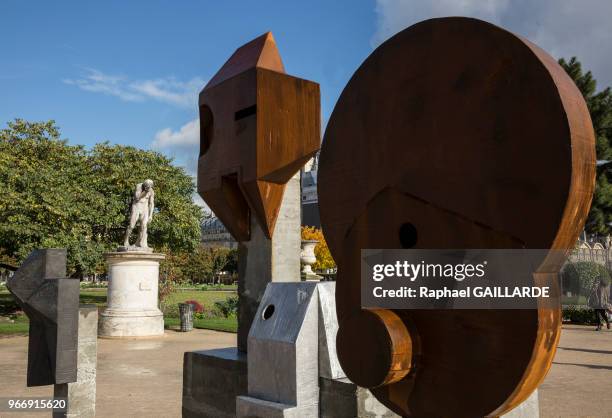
x: 81, y: 395
x: 132, y: 309
x: 262, y: 260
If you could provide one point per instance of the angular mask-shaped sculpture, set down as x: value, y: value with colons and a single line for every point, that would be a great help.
x: 258, y: 127
x: 51, y: 302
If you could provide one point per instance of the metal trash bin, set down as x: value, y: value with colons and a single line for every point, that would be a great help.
x: 186, y: 314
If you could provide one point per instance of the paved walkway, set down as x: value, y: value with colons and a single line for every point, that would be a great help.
x: 144, y: 377
x: 579, y: 383
x: 136, y: 378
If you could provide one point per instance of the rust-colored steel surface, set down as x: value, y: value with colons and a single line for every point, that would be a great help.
x: 258, y: 127
x: 453, y: 134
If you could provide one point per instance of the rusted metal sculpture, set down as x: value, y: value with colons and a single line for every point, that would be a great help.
x: 51, y: 302
x: 453, y: 134
x: 258, y: 127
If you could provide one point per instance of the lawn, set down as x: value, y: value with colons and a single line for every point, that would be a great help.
x: 16, y: 325
x: 206, y: 298
x: 217, y: 324
x: 98, y: 297
x: 574, y: 300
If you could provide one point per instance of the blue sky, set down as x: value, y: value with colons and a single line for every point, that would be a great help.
x: 125, y: 71
x: 129, y: 71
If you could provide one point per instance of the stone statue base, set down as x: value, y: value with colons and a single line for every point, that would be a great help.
x: 133, y: 248
x: 132, y: 309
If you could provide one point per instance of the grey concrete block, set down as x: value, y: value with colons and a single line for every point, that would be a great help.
x: 329, y: 366
x: 528, y: 409
x: 248, y: 407
x: 261, y: 260
x: 81, y: 394
x: 212, y: 380
x: 283, y: 347
x: 341, y: 398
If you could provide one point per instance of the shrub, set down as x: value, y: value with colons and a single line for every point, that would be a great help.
x: 228, y: 307
x: 197, y: 306
x: 578, y: 314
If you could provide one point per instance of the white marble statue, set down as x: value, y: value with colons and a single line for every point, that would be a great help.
x: 142, y: 210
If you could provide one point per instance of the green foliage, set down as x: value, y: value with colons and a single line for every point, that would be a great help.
x: 8, y: 304
x: 600, y: 108
x: 54, y: 194
x: 198, y: 266
x: 92, y: 285
x: 15, y: 325
x: 228, y: 307
x: 324, y: 257
x: 207, y: 299
x: 577, y: 314
x: 231, y: 264
x: 581, y: 277
x: 217, y: 324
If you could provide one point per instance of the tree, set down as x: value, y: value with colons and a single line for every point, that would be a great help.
x: 324, y: 257
x: 53, y: 194
x: 231, y: 266
x: 582, y: 276
x: 600, y: 108
x: 198, y: 266
x: 116, y: 169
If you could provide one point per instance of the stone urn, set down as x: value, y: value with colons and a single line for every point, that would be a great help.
x: 308, y: 258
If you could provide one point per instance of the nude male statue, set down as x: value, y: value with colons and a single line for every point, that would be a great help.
x: 142, y: 209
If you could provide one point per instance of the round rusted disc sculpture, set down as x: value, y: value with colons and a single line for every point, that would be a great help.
x: 452, y: 134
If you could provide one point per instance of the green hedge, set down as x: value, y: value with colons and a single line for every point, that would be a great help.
x: 578, y: 314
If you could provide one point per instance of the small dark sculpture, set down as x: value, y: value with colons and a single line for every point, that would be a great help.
x: 51, y: 301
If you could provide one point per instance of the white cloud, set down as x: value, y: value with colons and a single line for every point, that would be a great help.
x: 98, y: 82
x: 166, y: 90
x: 187, y: 137
x: 564, y: 28
x: 183, y: 145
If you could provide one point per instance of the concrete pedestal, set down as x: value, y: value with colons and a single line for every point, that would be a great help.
x: 212, y: 380
x: 81, y: 395
x: 340, y: 398
x: 132, y: 309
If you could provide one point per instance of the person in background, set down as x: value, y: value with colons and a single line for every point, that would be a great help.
x: 600, y: 302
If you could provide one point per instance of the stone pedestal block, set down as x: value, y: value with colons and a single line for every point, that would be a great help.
x: 212, y: 380
x: 340, y: 398
x: 132, y: 309
x: 81, y: 394
x: 283, y: 354
x: 329, y: 365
